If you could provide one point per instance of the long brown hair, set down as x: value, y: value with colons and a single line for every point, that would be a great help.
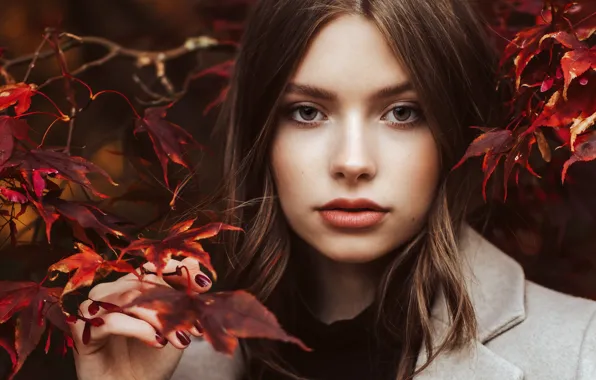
x: 443, y: 46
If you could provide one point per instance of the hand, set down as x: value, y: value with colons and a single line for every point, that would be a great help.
x: 130, y: 346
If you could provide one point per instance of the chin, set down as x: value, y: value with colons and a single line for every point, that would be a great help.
x: 350, y: 252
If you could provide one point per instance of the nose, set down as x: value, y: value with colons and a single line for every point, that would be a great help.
x: 352, y: 159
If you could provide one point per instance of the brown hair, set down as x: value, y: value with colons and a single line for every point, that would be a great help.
x: 443, y: 46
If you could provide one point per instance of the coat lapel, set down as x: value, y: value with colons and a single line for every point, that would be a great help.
x: 496, y: 286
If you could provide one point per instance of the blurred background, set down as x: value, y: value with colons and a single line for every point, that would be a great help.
x: 548, y: 228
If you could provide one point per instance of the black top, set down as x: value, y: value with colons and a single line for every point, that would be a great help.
x: 345, y: 349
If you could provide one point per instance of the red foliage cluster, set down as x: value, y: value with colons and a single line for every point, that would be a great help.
x: 33, y: 175
x: 548, y: 69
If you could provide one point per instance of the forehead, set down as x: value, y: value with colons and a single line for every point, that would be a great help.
x: 350, y: 56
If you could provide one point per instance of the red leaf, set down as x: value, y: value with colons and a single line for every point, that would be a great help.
x: 71, y: 168
x: 83, y: 216
x: 167, y: 138
x: 17, y: 127
x: 19, y: 94
x: 496, y: 141
x: 32, y: 302
x: 13, y: 196
x: 585, y: 150
x: 225, y: 316
x: 575, y: 63
x: 87, y: 264
x: 9, y: 347
x: 182, y: 241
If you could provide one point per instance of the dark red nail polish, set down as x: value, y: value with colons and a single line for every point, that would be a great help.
x: 199, y: 327
x: 183, y: 338
x: 161, y: 340
x: 202, y: 280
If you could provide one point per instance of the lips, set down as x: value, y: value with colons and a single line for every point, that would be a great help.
x: 352, y: 213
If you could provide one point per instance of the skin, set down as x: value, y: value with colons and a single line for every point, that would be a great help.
x: 355, y: 145
x: 350, y: 149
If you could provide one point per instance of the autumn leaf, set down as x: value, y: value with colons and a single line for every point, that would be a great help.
x: 83, y: 216
x: 575, y: 63
x: 225, y: 316
x: 181, y: 241
x: 13, y: 195
x: 87, y: 264
x: 37, y: 162
x: 10, y: 128
x: 585, y: 150
x: 34, y: 305
x: 18, y: 94
x: 168, y: 139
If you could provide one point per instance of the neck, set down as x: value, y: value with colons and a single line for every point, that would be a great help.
x: 336, y: 290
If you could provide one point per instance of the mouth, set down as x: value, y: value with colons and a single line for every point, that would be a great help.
x: 352, y: 218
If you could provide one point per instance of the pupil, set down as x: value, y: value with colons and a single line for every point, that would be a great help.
x: 402, y: 113
x: 304, y: 112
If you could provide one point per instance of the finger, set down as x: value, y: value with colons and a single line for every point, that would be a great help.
x: 123, y: 284
x: 199, y: 281
x: 179, y: 339
x: 197, y: 329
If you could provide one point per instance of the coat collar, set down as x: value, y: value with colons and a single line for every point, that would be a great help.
x: 496, y: 286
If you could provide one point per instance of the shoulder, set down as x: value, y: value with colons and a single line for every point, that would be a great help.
x: 557, y: 337
x: 545, y: 333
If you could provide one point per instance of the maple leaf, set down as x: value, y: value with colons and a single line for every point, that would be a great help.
x: 493, y: 144
x: 167, y: 138
x: 87, y: 264
x: 181, y: 241
x: 577, y: 113
x: 10, y: 128
x: 575, y: 63
x: 80, y: 216
x: 17, y: 93
x: 33, y: 303
x: 225, y: 316
x: 585, y: 150
x: 37, y: 162
x: 525, y: 46
x: 13, y: 195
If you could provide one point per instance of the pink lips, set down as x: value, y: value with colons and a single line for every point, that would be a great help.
x: 352, y: 213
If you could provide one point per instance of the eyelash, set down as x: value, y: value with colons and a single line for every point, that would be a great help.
x: 402, y: 125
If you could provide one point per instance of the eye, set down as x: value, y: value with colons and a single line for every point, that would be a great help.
x: 304, y: 114
x: 403, y: 115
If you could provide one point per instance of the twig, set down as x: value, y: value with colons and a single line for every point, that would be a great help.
x: 35, y: 56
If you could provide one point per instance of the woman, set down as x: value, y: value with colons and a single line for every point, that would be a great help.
x: 343, y: 120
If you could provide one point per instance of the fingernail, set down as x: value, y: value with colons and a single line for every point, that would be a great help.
x: 161, y: 340
x: 198, y: 327
x: 183, y: 338
x: 202, y: 280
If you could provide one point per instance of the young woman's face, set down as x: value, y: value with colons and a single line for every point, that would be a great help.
x: 350, y: 127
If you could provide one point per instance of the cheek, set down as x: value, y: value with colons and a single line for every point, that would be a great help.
x: 290, y: 162
x: 415, y: 176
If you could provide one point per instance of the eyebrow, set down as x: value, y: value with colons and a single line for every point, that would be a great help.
x: 323, y: 94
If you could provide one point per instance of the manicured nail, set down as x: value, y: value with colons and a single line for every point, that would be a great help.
x: 161, y: 340
x: 202, y: 280
x: 199, y: 327
x: 183, y: 338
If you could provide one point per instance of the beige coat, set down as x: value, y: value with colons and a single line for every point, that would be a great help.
x: 526, y: 331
